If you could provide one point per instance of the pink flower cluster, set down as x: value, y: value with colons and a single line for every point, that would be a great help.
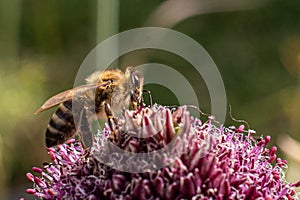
x: 200, y: 161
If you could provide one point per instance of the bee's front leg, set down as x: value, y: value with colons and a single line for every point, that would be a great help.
x: 134, y: 101
x: 112, y: 121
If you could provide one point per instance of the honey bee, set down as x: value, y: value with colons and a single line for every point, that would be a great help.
x: 106, y: 91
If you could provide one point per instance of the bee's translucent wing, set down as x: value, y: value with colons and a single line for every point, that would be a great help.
x: 68, y: 95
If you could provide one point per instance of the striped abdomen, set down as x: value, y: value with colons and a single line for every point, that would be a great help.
x: 61, y: 126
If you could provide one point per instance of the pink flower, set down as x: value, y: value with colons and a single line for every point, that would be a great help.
x: 160, y: 154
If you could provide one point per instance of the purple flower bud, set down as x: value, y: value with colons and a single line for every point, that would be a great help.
x: 51, y: 192
x: 272, y: 158
x: 273, y: 150
x: 30, y: 191
x: 37, y: 169
x: 39, y: 182
x: 70, y: 141
x: 30, y: 177
x: 52, y: 155
x: 297, y: 184
x: 267, y: 139
x: 240, y: 128
x: 261, y: 142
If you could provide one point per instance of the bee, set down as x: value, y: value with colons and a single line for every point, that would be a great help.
x: 104, y: 92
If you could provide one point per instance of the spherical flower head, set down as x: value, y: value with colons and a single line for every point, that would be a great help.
x: 160, y: 153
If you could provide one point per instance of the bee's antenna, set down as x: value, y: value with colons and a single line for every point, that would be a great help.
x: 198, y: 109
x: 238, y: 120
x: 209, y: 116
x: 190, y: 106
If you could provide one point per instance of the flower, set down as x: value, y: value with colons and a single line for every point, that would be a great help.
x: 157, y: 153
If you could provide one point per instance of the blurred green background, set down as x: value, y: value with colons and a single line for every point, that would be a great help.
x: 255, y: 44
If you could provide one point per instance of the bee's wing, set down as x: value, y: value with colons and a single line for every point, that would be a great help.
x: 68, y: 95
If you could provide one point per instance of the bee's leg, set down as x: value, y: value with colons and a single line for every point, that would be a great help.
x: 136, y: 93
x: 112, y: 121
x: 149, y: 96
x: 134, y: 101
x: 86, y: 133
